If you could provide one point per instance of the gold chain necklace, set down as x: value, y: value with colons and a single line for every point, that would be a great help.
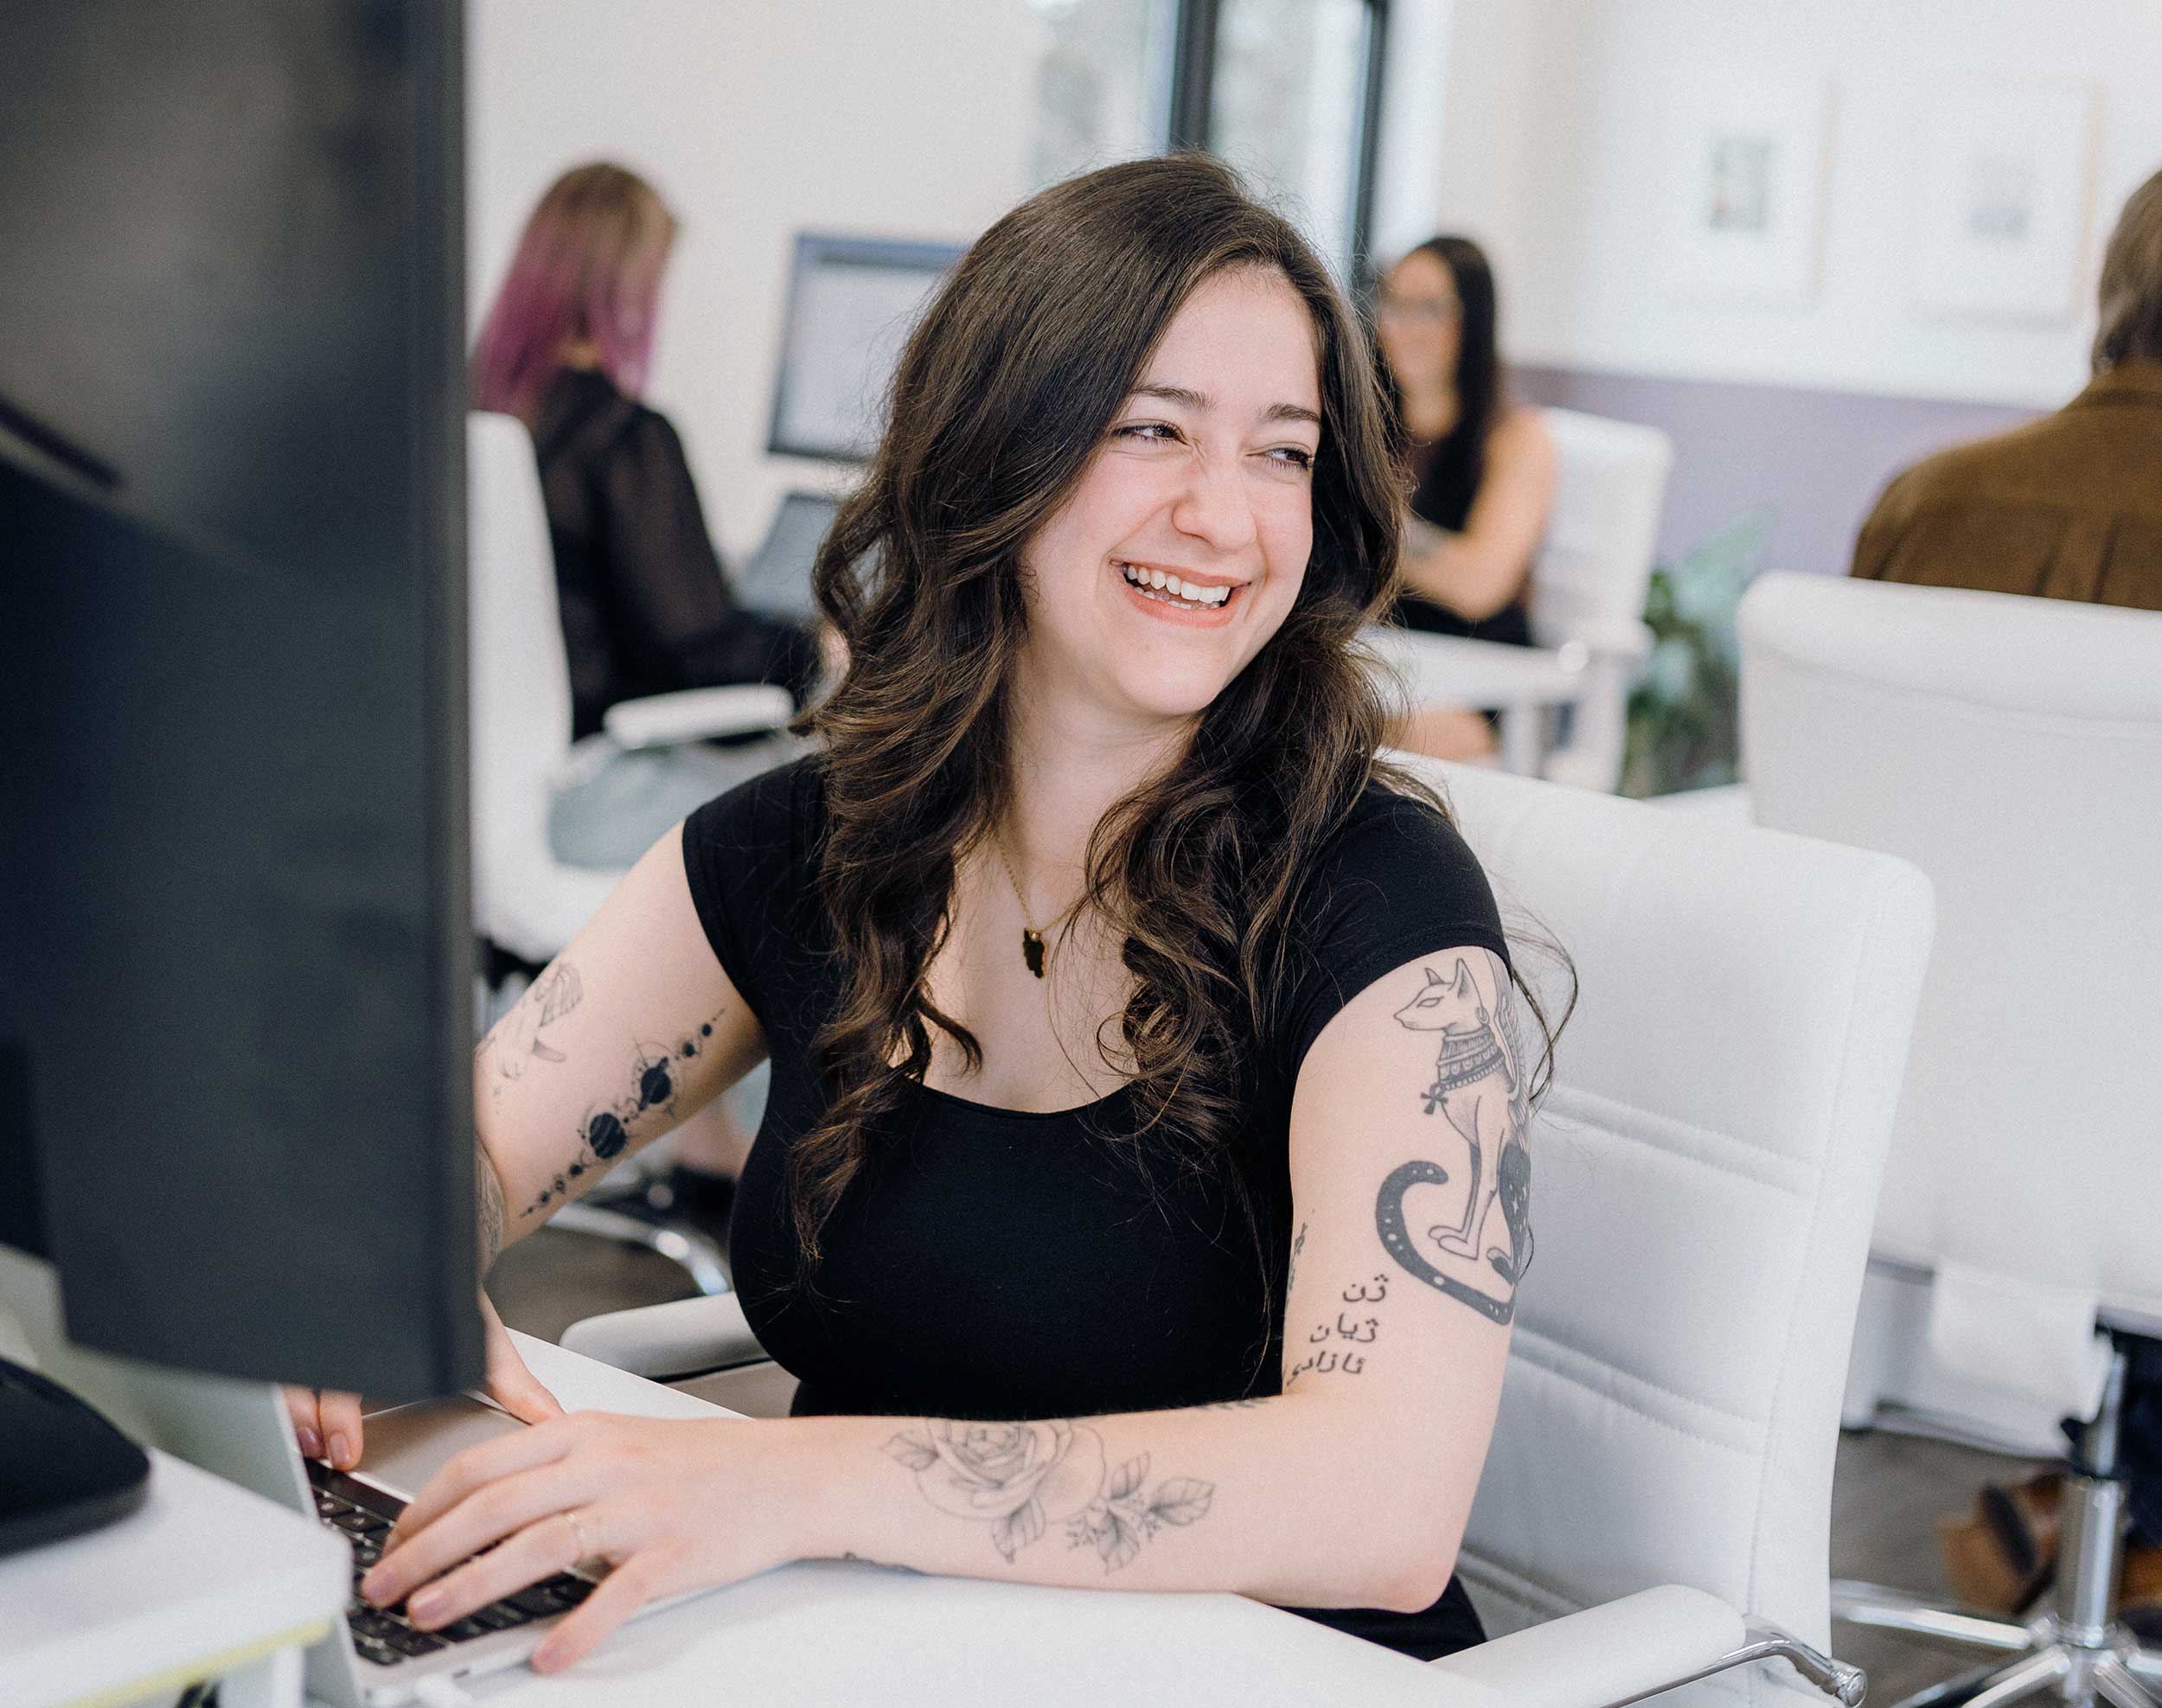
x: 1032, y: 946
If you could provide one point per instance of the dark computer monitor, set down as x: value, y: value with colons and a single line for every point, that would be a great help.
x: 235, y: 954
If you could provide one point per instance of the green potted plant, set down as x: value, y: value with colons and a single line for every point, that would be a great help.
x: 1683, y: 730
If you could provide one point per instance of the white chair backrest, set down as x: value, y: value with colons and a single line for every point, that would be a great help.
x: 520, y: 694
x: 1704, y: 1171
x: 2011, y: 748
x: 1594, y: 565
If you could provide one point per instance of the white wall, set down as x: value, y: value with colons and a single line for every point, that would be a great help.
x: 1554, y: 150
x: 755, y: 120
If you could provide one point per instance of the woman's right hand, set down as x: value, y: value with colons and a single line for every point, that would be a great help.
x: 327, y: 1423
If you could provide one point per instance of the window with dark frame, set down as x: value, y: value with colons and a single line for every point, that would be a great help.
x: 1288, y: 90
x: 1328, y: 60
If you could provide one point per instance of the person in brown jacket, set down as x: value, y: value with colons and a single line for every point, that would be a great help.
x: 2068, y: 507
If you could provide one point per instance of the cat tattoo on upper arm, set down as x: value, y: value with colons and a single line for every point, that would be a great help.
x: 1479, y: 1089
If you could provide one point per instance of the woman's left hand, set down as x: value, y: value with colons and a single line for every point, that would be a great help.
x: 673, y: 1506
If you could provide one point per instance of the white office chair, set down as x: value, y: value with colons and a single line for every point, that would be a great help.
x: 1589, y: 582
x: 1592, y: 573
x: 526, y: 902
x: 1706, y: 1170
x: 2011, y: 748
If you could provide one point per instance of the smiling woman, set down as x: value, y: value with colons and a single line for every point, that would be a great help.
x: 1020, y: 1215
x: 1139, y: 370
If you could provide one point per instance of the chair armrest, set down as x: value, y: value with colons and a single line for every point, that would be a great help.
x: 1641, y: 1646
x: 1604, y: 1654
x: 694, y: 714
x: 1626, y: 638
x: 686, y: 1337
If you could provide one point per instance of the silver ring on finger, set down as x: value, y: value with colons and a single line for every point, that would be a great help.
x: 586, y: 1551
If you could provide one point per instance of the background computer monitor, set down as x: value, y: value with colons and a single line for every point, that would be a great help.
x: 235, y: 959
x: 851, y: 302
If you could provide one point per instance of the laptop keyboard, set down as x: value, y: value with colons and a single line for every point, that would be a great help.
x: 364, y: 1515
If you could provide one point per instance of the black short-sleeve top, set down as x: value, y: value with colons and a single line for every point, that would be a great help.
x: 995, y: 1264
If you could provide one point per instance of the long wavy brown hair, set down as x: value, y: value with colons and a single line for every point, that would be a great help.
x: 1002, y: 395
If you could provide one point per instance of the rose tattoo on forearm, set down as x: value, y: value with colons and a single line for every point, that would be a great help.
x: 1022, y: 1478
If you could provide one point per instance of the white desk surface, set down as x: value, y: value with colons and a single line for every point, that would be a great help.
x: 203, y: 1577
x: 1448, y: 668
x: 828, y: 1633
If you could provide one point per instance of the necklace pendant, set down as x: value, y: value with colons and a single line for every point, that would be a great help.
x: 1033, y: 950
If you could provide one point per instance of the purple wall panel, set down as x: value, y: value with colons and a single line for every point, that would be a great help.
x: 1818, y: 458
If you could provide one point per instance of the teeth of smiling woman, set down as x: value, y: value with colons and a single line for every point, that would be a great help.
x: 1155, y: 581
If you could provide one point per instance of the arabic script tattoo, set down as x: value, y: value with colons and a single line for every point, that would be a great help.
x: 1021, y: 1479
x: 1479, y: 1089
x: 1331, y: 1340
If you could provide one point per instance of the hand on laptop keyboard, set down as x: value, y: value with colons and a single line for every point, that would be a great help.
x: 671, y: 1505
x: 364, y: 1515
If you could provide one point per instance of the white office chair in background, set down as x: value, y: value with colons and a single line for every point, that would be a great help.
x: 2011, y: 748
x: 1589, y: 582
x: 526, y: 902
x: 1592, y: 572
x: 1706, y: 1172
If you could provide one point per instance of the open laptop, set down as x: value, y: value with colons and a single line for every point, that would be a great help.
x: 240, y: 1430
x: 378, y: 1658
x: 375, y: 1659
x: 779, y: 576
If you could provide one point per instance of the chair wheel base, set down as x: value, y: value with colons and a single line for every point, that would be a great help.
x: 2033, y: 1661
x: 2078, y: 1677
x: 691, y: 1252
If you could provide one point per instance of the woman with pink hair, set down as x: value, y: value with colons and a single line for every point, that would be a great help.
x: 645, y: 606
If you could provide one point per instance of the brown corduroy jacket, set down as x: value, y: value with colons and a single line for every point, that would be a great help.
x: 2067, y: 508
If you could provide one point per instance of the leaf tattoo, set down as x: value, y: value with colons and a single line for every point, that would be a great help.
x: 1181, y: 1501
x: 917, y: 1456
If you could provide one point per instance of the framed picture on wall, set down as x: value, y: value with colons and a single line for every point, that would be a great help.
x: 1745, y: 191
x: 2003, y: 194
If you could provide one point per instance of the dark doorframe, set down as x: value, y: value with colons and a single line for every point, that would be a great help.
x: 1193, y: 74
x: 1192, y: 86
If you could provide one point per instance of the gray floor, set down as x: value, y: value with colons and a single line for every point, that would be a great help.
x: 1889, y: 1492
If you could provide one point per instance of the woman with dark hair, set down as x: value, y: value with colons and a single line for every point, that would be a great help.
x: 1143, y: 1191
x: 1481, y: 469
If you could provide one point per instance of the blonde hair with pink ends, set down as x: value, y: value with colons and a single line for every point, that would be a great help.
x: 588, y: 266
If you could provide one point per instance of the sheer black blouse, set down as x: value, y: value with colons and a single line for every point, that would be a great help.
x: 645, y: 606
x: 1446, y: 476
